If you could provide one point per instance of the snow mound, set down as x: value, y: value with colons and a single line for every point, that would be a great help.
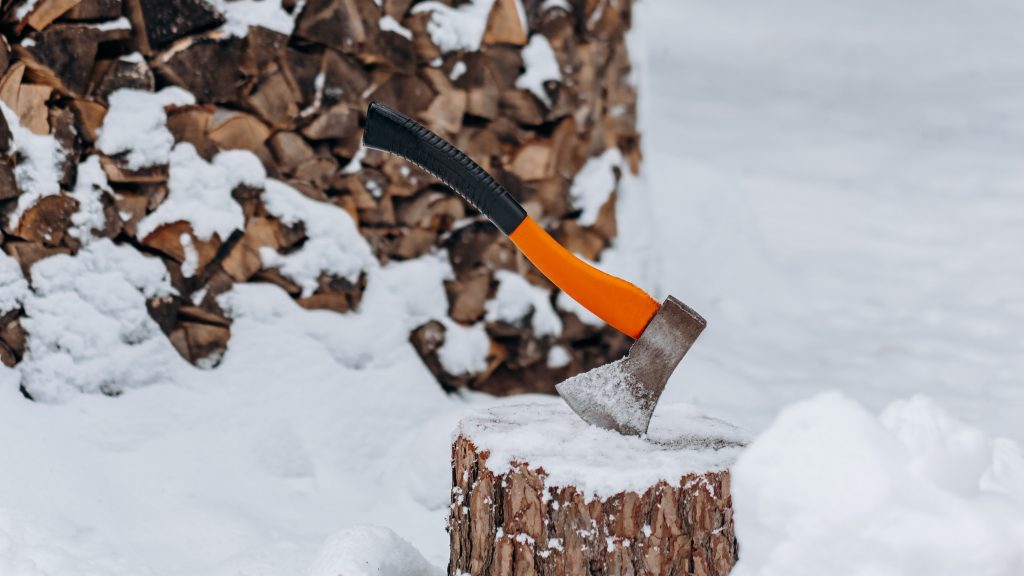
x: 831, y: 489
x: 600, y: 463
x: 465, y: 348
x: 90, y: 185
x: 136, y: 125
x: 240, y: 15
x: 460, y: 28
x: 199, y: 192
x: 370, y: 551
x: 13, y: 286
x: 333, y: 246
x: 540, y: 66
x: 88, y: 324
x: 38, y: 170
x: 594, y: 185
x: 516, y: 299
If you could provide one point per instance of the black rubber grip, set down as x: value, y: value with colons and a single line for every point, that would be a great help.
x: 393, y: 132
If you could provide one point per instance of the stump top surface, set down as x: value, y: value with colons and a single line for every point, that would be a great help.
x: 547, y: 434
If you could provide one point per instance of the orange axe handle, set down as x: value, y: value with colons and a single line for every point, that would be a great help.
x: 619, y: 303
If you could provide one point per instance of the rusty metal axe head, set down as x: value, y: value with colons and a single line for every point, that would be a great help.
x: 620, y: 396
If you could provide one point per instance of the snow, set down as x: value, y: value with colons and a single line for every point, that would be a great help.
x: 555, y: 5
x: 540, y: 66
x: 547, y: 434
x: 199, y: 192
x: 370, y: 551
x: 121, y: 23
x: 38, y: 170
x: 558, y: 357
x: 135, y: 125
x: 834, y: 186
x: 829, y: 480
x: 465, y: 348
x: 594, y: 185
x: 459, y: 28
x: 13, y: 286
x: 333, y: 244
x: 458, y: 69
x: 516, y: 299
x: 90, y: 330
x: 240, y: 15
x: 89, y: 187
x: 25, y: 8
x: 134, y: 58
x: 389, y: 24
x: 191, y: 261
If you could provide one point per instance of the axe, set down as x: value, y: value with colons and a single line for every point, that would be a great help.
x: 619, y: 396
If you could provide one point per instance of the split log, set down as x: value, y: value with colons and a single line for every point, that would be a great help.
x: 211, y: 67
x: 27, y: 100
x: 94, y: 11
x: 123, y: 73
x: 538, y: 492
x: 43, y: 12
x: 62, y: 56
x: 8, y: 184
x: 238, y: 130
x: 340, y: 24
x: 158, y: 23
x: 505, y: 25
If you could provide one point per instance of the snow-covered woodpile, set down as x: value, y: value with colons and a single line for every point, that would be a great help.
x: 538, y: 492
x: 183, y: 128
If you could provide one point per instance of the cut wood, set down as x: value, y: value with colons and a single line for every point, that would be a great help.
x: 89, y: 117
x: 28, y: 101
x: 44, y: 12
x: 290, y: 150
x: 192, y: 124
x: 537, y: 492
x: 94, y: 10
x: 296, y: 101
x: 47, y: 221
x: 336, y: 23
x: 275, y: 100
x: 237, y: 130
x: 506, y: 24
x: 339, y: 121
x: 122, y: 73
x: 158, y: 23
x: 211, y: 67
x: 62, y: 56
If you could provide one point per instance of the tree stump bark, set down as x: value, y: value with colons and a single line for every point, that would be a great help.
x: 538, y: 492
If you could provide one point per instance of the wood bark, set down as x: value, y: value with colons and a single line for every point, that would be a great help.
x: 517, y: 524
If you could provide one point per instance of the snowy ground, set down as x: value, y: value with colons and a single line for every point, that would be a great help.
x: 838, y: 188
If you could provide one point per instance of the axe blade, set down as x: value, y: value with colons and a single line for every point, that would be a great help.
x: 621, y: 396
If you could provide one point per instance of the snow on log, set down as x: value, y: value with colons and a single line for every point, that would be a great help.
x: 536, y: 491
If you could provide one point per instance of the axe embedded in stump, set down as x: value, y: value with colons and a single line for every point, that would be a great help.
x: 538, y: 493
x: 620, y: 396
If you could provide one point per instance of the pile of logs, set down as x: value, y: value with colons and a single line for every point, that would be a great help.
x: 297, y: 102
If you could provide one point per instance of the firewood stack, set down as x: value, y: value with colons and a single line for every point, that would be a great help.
x: 297, y: 102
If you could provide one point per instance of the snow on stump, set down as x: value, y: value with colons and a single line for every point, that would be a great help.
x: 538, y: 491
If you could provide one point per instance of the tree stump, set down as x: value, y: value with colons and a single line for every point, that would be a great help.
x: 536, y: 491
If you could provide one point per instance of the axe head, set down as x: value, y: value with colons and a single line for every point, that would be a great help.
x: 621, y: 396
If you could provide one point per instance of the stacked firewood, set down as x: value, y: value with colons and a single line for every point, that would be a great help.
x: 296, y: 100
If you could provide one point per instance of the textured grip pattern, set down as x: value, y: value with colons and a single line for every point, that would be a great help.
x: 392, y: 131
